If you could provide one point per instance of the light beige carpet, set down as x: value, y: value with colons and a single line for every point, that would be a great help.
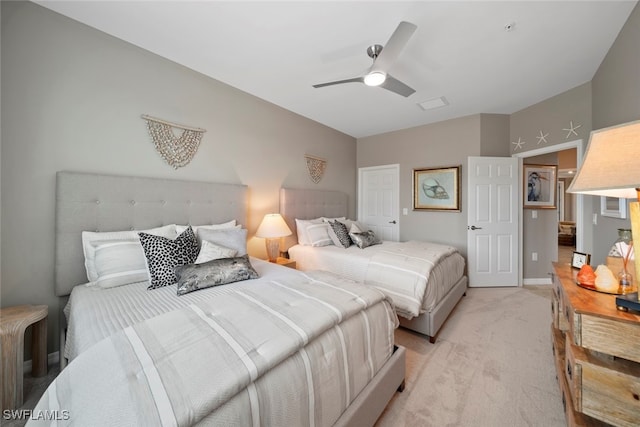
x: 492, y: 365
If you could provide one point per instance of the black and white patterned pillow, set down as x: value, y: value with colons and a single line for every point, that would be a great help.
x: 164, y: 255
x: 339, y: 234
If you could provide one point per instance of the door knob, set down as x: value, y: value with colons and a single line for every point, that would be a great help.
x: 473, y: 227
x: 392, y: 222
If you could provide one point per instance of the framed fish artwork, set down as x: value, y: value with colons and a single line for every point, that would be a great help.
x: 437, y: 189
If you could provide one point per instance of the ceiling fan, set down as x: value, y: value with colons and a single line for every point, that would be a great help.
x: 383, y: 59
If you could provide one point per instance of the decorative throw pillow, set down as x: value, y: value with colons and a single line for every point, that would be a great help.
x: 118, y: 262
x: 356, y: 228
x: 210, y: 251
x: 365, y: 239
x: 301, y: 228
x: 164, y: 255
x: 192, y: 277
x: 232, y: 238
x: 89, y: 249
x: 319, y: 234
x: 339, y: 234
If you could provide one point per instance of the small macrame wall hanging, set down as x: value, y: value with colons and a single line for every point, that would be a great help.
x: 176, y: 150
x: 316, y: 167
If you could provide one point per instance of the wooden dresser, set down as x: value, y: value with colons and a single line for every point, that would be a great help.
x: 597, y: 354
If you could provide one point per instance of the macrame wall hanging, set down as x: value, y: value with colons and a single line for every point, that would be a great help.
x: 316, y: 167
x: 177, y: 151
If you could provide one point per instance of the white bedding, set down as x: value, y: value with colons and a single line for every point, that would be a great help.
x: 290, y: 348
x: 94, y: 313
x: 355, y: 263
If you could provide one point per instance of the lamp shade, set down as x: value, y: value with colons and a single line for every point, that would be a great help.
x: 610, y: 165
x: 273, y: 226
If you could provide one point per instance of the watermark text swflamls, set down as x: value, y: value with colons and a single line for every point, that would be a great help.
x: 36, y: 415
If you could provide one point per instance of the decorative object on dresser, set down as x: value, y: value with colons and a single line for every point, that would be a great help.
x: 437, y: 189
x: 177, y: 151
x: 596, y: 353
x: 578, y: 259
x: 13, y: 323
x: 272, y: 229
x: 610, y: 169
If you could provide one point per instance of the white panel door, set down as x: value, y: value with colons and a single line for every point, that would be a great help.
x: 378, y: 200
x: 492, y: 221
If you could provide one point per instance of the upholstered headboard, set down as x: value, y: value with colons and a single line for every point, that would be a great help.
x: 309, y: 204
x: 109, y: 203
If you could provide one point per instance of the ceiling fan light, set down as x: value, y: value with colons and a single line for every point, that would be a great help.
x: 375, y: 78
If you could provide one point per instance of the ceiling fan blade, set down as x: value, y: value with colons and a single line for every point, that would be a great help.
x: 338, y: 82
x: 396, y: 86
x: 394, y: 46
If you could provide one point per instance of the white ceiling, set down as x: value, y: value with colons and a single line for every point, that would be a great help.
x: 461, y: 50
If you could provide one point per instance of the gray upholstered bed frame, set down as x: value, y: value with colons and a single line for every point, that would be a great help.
x: 309, y: 204
x: 108, y: 203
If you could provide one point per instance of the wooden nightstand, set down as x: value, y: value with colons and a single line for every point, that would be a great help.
x: 13, y: 322
x: 286, y: 262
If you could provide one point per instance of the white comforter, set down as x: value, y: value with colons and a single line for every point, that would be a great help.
x: 415, y: 275
x: 286, y: 351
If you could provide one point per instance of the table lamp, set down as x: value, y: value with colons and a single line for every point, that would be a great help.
x: 273, y: 228
x: 611, y: 168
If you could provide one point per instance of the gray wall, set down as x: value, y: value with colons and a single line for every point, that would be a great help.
x: 551, y: 117
x: 446, y: 143
x: 616, y: 99
x: 72, y: 99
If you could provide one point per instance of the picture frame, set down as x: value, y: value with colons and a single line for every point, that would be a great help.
x: 539, y: 186
x: 437, y: 189
x: 578, y: 259
x: 613, y: 207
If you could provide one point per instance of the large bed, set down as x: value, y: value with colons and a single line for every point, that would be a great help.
x: 285, y: 348
x: 425, y: 280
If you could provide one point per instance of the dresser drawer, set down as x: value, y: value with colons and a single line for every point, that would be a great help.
x: 573, y: 417
x: 560, y: 310
x: 602, y: 386
x: 608, y: 336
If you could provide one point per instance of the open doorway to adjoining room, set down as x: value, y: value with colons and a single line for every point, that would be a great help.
x: 569, y: 160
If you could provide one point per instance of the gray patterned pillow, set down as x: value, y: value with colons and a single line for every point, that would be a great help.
x: 221, y: 271
x: 164, y: 255
x: 339, y: 234
x: 365, y: 239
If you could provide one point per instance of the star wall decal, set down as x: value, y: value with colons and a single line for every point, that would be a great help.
x: 571, y: 129
x: 519, y: 144
x: 542, y: 137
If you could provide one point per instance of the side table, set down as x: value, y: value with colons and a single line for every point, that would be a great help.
x: 286, y: 262
x: 13, y: 322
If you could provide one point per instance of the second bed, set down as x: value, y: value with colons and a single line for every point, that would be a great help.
x: 424, y: 280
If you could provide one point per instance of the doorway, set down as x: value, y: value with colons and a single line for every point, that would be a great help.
x: 578, y: 145
x: 379, y: 199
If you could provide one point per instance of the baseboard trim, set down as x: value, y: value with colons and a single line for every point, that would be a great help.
x: 541, y: 281
x: 52, y: 359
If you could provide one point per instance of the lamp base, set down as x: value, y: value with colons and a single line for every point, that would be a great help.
x: 628, y: 302
x: 273, y: 248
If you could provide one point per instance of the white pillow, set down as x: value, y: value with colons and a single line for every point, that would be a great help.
x: 210, y: 251
x: 301, y: 228
x: 326, y: 219
x: 225, y: 225
x: 232, y: 238
x: 356, y: 228
x: 319, y: 235
x: 118, y: 262
x: 168, y: 231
